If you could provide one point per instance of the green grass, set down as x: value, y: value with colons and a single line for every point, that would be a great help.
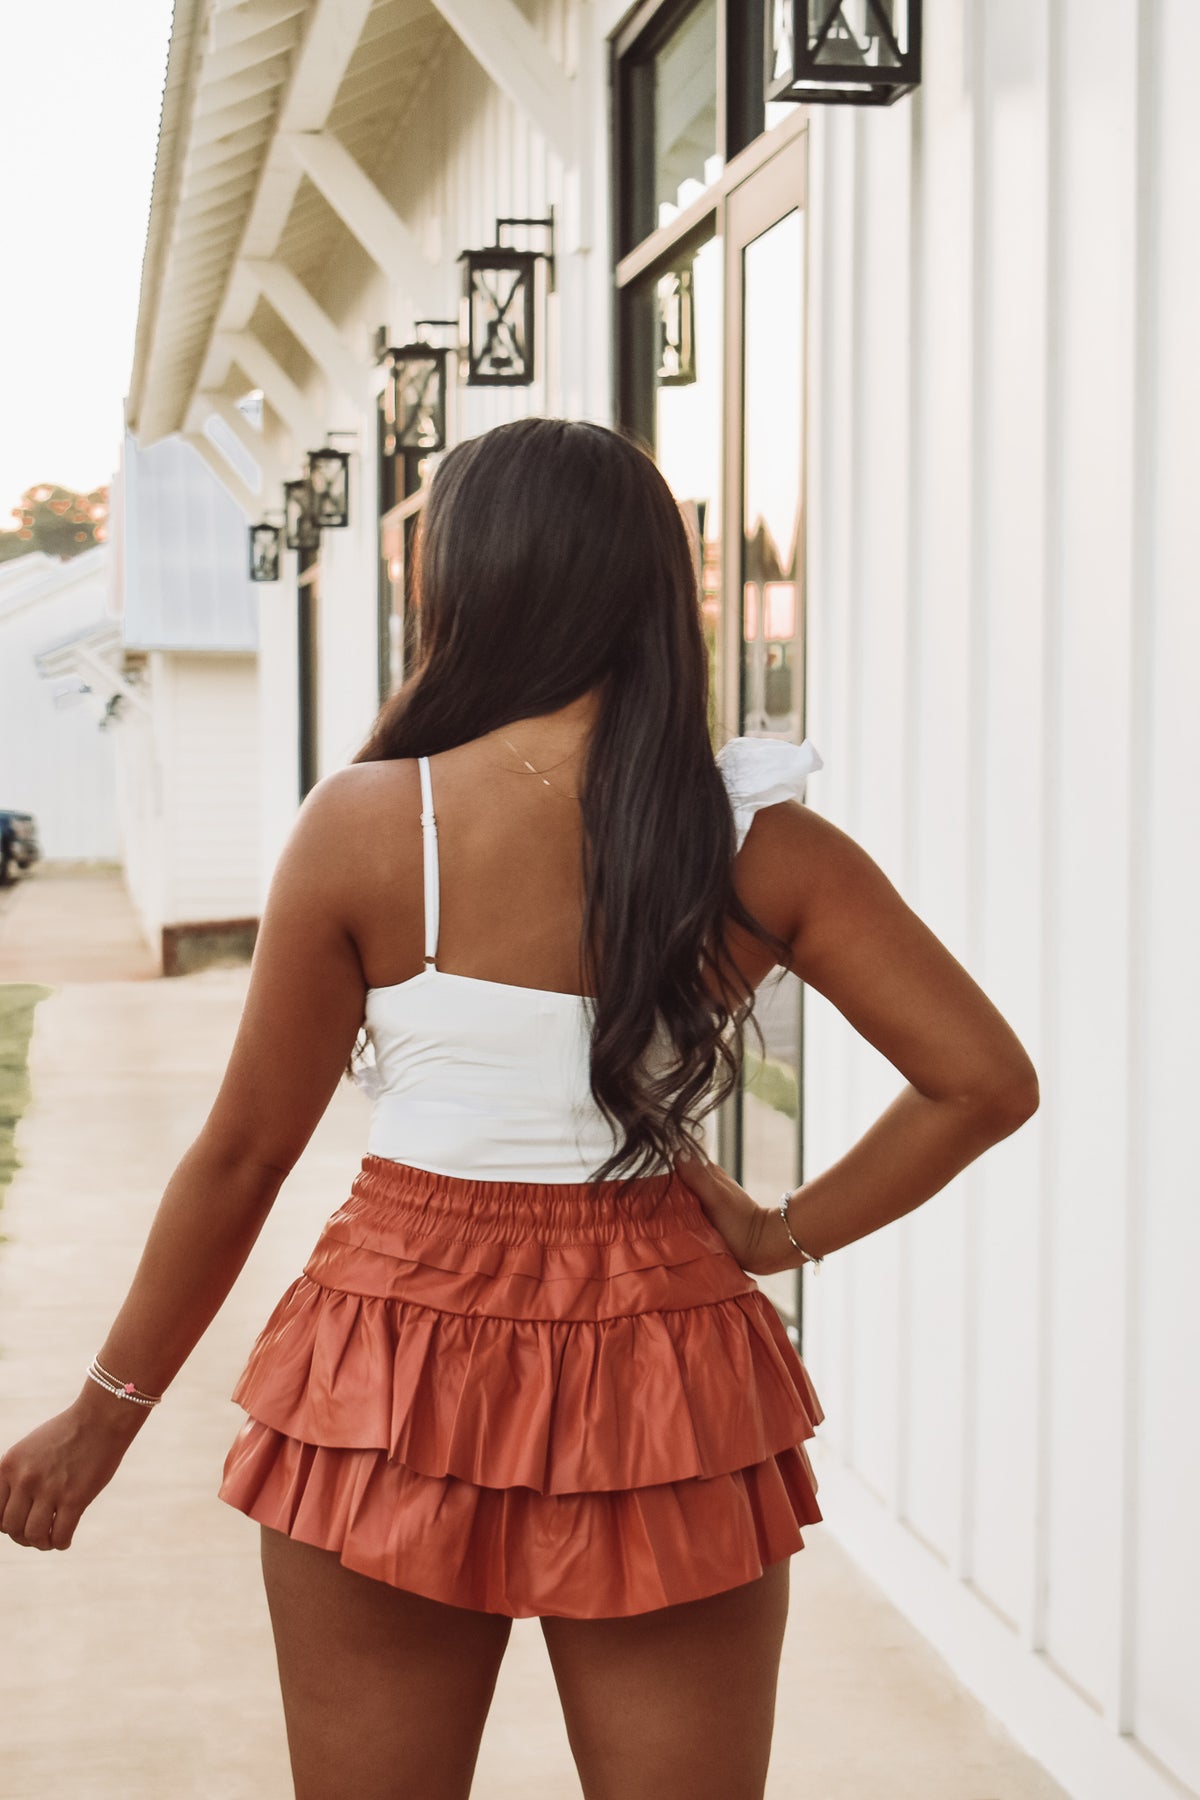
x: 17, y: 1002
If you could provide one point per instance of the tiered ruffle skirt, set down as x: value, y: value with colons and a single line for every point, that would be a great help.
x: 528, y: 1398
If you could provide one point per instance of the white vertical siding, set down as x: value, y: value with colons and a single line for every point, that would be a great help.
x: 346, y: 625
x: 212, y: 788
x: 278, y: 726
x: 1003, y: 634
x: 1005, y: 948
x: 55, y: 762
x: 1088, y: 912
x: 1161, y: 1473
x: 141, y: 795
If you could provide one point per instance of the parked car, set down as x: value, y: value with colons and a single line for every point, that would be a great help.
x: 19, y: 846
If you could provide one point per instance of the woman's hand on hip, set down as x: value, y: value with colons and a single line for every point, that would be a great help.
x: 49, y: 1477
x: 755, y: 1234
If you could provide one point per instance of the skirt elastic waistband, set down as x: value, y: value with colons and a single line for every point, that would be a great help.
x: 590, y: 1211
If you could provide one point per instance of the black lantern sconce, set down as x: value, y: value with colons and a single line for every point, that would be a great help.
x: 327, y: 473
x: 676, y: 333
x: 498, y: 307
x: 858, y: 52
x: 414, y: 395
x: 266, y: 549
x: 301, y: 531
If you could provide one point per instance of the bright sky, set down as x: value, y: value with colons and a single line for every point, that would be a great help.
x: 78, y: 130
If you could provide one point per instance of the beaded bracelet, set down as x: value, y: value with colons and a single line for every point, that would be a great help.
x: 816, y: 1261
x: 123, y: 1390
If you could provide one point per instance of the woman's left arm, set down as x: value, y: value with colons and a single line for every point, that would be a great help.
x: 303, y: 1008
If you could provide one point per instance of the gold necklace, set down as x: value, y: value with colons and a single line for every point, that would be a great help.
x: 534, y: 771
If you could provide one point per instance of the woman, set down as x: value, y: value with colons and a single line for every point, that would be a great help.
x: 526, y: 1369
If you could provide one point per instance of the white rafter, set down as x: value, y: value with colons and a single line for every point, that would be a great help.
x: 509, y: 50
x: 251, y: 504
x: 235, y: 25
x: 253, y: 443
x: 364, y: 211
x: 330, y: 39
x: 257, y: 363
x: 310, y: 324
x: 334, y: 28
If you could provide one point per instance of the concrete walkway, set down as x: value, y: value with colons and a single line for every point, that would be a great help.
x: 139, y: 1664
x: 71, y: 922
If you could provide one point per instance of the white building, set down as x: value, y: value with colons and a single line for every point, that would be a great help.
x: 188, y: 764
x: 55, y: 762
x: 940, y: 446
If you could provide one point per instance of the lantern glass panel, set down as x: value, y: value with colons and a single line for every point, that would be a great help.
x: 499, y: 295
x: 414, y: 401
x: 302, y: 532
x: 857, y: 31
x: 264, y: 552
x: 329, y: 487
x: 850, y: 50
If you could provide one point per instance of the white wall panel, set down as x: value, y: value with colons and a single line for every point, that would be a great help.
x: 141, y: 792
x: 1033, y: 656
x: 875, y: 624
x: 278, y: 725
x: 941, y: 623
x: 830, y: 1121
x: 1163, y: 1470
x: 1090, y: 746
x: 1009, y: 381
x: 347, y: 629
x: 212, y: 815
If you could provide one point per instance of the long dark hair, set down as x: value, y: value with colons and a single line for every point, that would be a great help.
x: 552, y: 559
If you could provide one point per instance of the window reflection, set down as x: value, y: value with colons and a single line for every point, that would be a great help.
x: 773, y: 544
x: 772, y: 661
x: 687, y: 440
x: 685, y: 113
x: 770, y: 1102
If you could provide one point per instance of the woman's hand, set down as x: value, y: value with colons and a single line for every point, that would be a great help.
x: 755, y: 1234
x: 49, y: 1477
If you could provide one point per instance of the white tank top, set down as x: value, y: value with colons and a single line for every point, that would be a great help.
x: 489, y: 1080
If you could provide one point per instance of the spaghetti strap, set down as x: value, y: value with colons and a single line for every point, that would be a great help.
x: 430, y: 859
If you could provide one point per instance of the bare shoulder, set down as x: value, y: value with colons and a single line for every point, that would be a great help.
x: 795, y: 861
x: 360, y: 803
x: 355, y: 830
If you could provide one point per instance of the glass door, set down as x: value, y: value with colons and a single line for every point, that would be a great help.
x: 672, y: 382
x: 765, y: 607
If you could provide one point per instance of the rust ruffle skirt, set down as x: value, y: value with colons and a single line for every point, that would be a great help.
x: 528, y: 1398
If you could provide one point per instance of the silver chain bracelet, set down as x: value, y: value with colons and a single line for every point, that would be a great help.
x: 816, y: 1261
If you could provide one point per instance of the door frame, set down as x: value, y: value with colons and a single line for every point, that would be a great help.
x: 774, y: 188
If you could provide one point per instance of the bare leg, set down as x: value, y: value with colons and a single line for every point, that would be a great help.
x: 385, y: 1693
x: 677, y: 1704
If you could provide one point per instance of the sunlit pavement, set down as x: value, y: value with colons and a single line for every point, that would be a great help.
x: 139, y: 1664
x: 71, y: 922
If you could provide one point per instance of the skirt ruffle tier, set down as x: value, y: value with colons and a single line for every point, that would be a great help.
x: 536, y: 1399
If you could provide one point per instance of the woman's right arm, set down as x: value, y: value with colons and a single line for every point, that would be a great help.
x: 304, y: 1003
x: 969, y: 1081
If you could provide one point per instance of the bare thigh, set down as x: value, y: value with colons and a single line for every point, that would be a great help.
x: 677, y: 1704
x: 385, y: 1693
